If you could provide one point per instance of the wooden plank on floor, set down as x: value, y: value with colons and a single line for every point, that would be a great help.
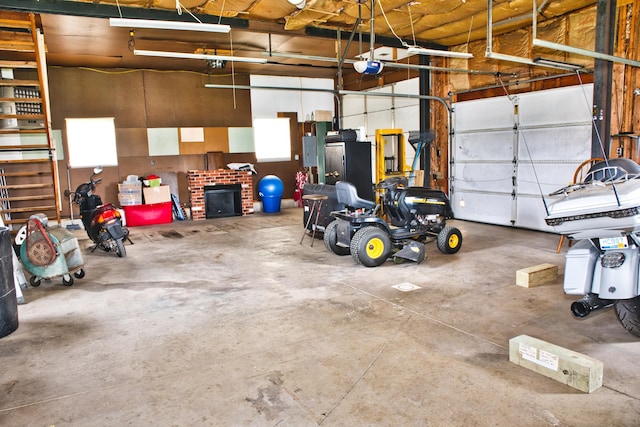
x: 566, y: 366
x: 536, y: 275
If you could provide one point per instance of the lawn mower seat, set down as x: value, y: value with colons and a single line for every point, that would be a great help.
x: 348, y: 196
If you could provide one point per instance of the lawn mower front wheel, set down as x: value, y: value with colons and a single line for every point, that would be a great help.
x: 370, y: 246
x: 449, y: 240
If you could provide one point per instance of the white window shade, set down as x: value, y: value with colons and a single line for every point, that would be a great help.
x: 91, y: 142
x: 272, y: 138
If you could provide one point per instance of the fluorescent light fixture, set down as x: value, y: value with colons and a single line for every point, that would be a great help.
x: 558, y: 64
x: 438, y: 52
x: 183, y: 55
x: 584, y: 52
x: 169, y: 25
x: 510, y: 58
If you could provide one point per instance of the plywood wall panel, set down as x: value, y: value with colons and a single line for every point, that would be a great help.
x: 180, y: 98
x: 80, y: 93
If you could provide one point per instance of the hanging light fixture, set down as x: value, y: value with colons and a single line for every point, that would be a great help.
x: 169, y: 25
x: 438, y: 52
x: 184, y: 55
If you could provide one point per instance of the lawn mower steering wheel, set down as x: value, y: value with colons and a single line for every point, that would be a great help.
x: 392, y: 182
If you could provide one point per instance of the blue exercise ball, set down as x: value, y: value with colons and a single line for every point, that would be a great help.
x: 270, y: 185
x: 270, y: 189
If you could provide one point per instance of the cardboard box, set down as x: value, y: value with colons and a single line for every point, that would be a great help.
x: 160, y: 194
x: 159, y: 213
x: 323, y: 116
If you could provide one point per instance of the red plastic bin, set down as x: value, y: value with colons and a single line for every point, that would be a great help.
x: 157, y: 213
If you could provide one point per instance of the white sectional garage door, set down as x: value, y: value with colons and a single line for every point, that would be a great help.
x: 508, y: 150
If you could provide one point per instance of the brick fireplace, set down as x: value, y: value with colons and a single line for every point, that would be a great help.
x: 198, y: 179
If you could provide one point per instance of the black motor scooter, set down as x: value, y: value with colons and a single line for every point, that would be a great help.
x: 103, y: 223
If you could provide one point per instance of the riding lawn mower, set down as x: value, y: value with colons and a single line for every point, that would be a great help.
x: 398, y: 227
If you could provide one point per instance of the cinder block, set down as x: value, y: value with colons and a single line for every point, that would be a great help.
x: 566, y: 366
x: 536, y: 275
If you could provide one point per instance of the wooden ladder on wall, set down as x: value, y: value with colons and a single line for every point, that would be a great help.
x: 28, y: 166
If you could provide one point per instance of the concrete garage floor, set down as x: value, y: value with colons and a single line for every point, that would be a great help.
x: 230, y: 321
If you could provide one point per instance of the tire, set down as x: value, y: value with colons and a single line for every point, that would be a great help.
x: 449, y: 240
x: 67, y: 280
x: 331, y: 238
x: 79, y: 274
x: 34, y: 281
x: 120, y: 250
x: 370, y: 246
x: 628, y: 313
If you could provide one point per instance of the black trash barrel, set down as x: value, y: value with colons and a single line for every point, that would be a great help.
x: 8, y: 299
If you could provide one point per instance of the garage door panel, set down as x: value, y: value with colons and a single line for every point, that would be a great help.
x: 491, y: 146
x: 555, y: 143
x: 488, y: 208
x: 490, y: 113
x: 551, y: 177
x: 558, y: 106
x: 483, y: 177
x: 353, y: 104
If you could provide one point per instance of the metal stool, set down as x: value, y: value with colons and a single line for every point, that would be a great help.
x: 314, y: 201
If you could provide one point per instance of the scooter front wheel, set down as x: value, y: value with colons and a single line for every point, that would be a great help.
x: 120, y: 250
x: 628, y: 313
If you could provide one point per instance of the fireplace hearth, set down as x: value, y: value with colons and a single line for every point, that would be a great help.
x: 230, y: 184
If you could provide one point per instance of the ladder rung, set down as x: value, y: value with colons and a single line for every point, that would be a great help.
x: 22, y: 116
x: 23, y: 174
x: 27, y: 198
x: 17, y: 46
x: 14, y: 82
x: 23, y: 100
x: 31, y: 209
x: 15, y: 23
x: 10, y: 162
x: 25, y: 186
x: 10, y: 131
x: 18, y: 64
x: 37, y: 147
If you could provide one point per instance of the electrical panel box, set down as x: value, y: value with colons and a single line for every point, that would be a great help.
x: 309, y: 151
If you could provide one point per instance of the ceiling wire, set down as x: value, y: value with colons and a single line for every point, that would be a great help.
x: 384, y: 15
x: 413, y: 33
